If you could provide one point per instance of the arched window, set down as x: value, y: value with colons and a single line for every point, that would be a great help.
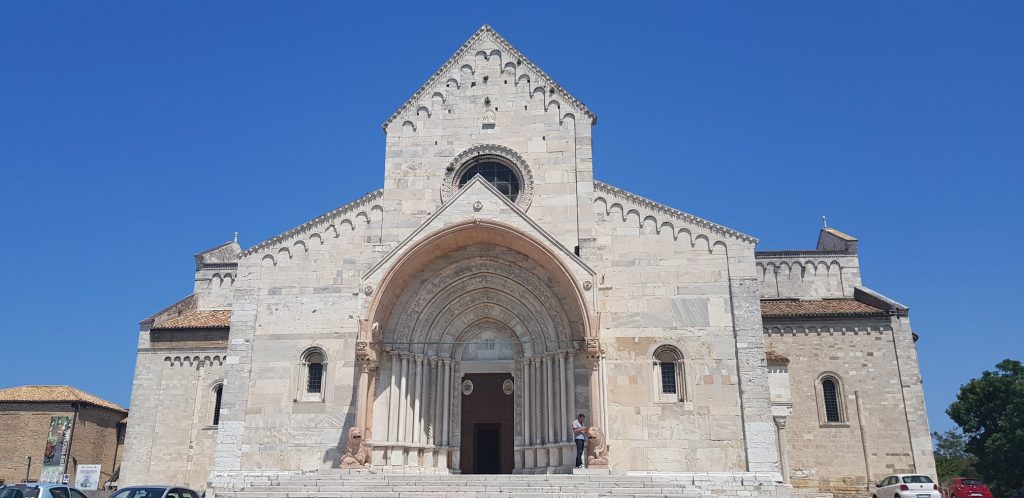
x: 669, y: 372
x: 831, y: 408
x: 830, y: 394
x: 218, y: 395
x: 504, y: 178
x: 313, y: 363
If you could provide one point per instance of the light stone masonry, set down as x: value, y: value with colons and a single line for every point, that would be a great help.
x: 456, y: 321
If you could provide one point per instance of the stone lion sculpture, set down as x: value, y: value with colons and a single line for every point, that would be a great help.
x: 597, y: 450
x: 357, y: 454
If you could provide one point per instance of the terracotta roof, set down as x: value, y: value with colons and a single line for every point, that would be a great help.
x: 775, y: 308
x: 208, y: 319
x: 775, y: 357
x: 54, y: 394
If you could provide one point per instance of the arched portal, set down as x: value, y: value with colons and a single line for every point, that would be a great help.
x: 480, y: 332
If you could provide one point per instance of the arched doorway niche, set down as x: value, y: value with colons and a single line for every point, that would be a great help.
x: 476, y: 305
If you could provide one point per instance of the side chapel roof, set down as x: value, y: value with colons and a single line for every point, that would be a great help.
x: 198, y: 319
x: 786, y: 308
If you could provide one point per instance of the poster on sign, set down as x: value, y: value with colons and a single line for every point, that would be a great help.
x: 87, y: 477
x: 55, y: 456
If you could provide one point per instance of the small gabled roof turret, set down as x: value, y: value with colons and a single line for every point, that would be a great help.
x: 830, y: 239
x: 486, y: 31
x: 219, y: 255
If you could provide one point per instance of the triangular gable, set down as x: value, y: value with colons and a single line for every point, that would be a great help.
x: 488, y: 33
x: 494, y: 206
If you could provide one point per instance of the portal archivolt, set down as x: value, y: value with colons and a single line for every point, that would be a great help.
x: 481, y: 308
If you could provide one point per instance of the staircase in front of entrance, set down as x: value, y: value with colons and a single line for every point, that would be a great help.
x: 368, y: 484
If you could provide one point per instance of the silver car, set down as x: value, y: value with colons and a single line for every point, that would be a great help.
x: 156, y: 492
x: 39, y: 490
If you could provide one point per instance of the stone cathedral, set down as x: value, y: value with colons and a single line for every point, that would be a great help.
x: 456, y: 320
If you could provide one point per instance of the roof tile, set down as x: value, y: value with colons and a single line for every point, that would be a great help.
x: 206, y: 319
x: 54, y: 394
x: 776, y: 308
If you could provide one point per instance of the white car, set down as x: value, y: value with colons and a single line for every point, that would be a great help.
x: 907, y: 486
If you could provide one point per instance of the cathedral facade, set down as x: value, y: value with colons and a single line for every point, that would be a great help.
x: 458, y: 319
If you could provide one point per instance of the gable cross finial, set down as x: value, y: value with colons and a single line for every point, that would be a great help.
x: 824, y: 222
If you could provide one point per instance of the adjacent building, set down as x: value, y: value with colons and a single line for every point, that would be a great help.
x: 48, y: 431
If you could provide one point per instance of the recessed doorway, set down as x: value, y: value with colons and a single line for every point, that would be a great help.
x: 488, y: 419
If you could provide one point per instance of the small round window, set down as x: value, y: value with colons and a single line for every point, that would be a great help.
x: 501, y: 176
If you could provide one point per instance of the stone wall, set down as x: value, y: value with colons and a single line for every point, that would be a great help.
x: 24, y: 427
x: 297, y: 291
x: 666, y: 278
x: 794, y: 274
x: 874, y: 437
x: 490, y: 94
x: 170, y: 436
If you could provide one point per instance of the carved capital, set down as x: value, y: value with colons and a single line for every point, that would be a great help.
x: 592, y: 348
x: 366, y: 352
x: 780, y: 421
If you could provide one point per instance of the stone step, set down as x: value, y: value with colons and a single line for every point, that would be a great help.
x: 341, y: 484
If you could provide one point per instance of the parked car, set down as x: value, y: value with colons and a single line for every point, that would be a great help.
x: 156, y: 492
x: 962, y: 487
x: 907, y: 486
x: 39, y: 490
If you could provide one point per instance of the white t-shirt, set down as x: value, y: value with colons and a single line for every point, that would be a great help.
x: 577, y: 425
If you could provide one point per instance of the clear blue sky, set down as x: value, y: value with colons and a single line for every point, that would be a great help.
x: 133, y: 135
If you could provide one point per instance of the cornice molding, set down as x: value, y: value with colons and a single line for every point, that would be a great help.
x: 672, y: 212
x: 366, y: 199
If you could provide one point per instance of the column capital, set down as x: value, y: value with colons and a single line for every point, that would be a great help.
x: 780, y: 421
x: 593, y: 348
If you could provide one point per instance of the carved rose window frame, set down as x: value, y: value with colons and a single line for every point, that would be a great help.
x: 498, y: 153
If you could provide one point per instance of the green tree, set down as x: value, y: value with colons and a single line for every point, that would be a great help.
x: 990, y: 411
x: 951, y: 456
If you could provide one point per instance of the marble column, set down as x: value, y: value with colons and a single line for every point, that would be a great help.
x: 562, y: 413
x: 403, y: 401
x: 596, y: 405
x: 780, y: 425
x: 527, y: 440
x: 538, y: 400
x: 447, y: 399
x: 417, y: 398
x: 434, y: 437
x: 549, y: 400
x: 571, y: 373
x: 394, y: 453
x: 393, y: 398
x: 425, y: 389
x: 362, y: 395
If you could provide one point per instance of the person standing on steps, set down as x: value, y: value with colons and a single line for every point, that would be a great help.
x: 579, y: 431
